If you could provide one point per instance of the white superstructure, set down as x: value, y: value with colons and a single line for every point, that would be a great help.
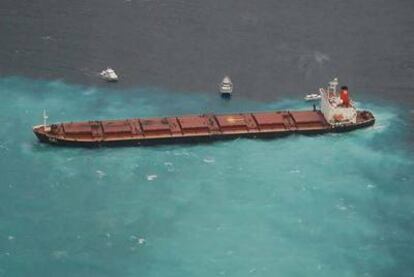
x: 226, y: 86
x: 109, y: 75
x: 337, y: 109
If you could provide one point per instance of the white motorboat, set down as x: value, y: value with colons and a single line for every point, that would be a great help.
x: 312, y: 97
x: 226, y: 87
x: 109, y: 75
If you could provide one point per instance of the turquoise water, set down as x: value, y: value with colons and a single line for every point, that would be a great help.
x: 333, y: 205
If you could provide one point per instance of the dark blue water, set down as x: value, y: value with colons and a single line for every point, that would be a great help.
x: 271, y: 49
x: 333, y: 205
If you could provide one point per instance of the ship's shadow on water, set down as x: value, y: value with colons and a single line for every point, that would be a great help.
x: 324, y: 205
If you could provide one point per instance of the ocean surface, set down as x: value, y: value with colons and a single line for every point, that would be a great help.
x: 332, y: 205
x: 271, y: 49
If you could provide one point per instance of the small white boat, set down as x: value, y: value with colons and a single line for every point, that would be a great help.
x: 226, y: 87
x: 109, y: 75
x: 312, y: 97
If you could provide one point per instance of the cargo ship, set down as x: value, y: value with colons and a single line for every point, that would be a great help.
x: 337, y: 113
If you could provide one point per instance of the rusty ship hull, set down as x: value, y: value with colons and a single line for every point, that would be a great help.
x: 193, y: 128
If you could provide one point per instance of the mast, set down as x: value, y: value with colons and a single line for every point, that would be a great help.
x: 45, y: 117
x: 332, y: 86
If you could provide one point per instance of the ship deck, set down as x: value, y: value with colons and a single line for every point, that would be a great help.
x: 190, y: 127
